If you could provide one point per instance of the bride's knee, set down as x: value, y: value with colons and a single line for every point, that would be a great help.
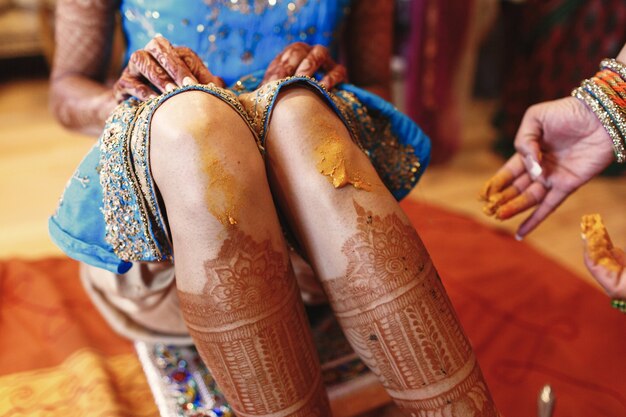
x: 304, y: 128
x: 296, y: 105
x: 193, y: 125
x: 303, y: 112
x: 199, y: 141
x: 192, y: 118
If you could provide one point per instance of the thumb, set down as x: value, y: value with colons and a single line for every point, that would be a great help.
x: 529, y: 134
x: 528, y: 143
x: 603, y: 260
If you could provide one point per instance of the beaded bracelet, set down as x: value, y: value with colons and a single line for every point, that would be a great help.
x: 605, y: 95
x: 619, y: 304
x: 615, y: 66
x: 616, y: 113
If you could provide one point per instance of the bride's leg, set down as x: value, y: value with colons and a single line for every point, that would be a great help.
x: 236, y: 287
x: 376, y: 272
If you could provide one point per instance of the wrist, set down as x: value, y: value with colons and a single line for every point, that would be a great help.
x: 604, y: 95
x: 107, y: 103
x: 591, y: 122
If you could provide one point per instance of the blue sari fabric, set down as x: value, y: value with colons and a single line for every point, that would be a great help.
x: 234, y: 38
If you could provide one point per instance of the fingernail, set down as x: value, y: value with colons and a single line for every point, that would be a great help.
x: 170, y: 87
x: 533, y: 167
x: 188, y: 81
x: 519, y: 237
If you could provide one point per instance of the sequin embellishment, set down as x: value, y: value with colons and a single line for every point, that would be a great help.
x: 256, y: 6
x: 124, y: 213
x: 396, y: 163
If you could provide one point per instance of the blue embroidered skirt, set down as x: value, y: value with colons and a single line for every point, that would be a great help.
x: 109, y: 215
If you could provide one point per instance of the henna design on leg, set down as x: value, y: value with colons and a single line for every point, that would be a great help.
x: 250, y: 328
x: 395, y: 313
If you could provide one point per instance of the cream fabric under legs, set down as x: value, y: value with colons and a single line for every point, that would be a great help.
x: 141, y: 304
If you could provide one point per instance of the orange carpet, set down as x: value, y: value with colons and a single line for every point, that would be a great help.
x: 530, y: 320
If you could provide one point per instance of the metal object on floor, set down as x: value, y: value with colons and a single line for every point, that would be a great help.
x: 545, y: 401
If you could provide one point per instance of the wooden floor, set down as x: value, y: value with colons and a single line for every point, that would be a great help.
x: 37, y: 157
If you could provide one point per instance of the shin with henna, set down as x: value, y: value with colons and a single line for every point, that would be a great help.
x: 249, y: 326
x: 398, y: 318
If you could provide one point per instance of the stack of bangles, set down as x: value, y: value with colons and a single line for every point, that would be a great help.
x: 605, y: 95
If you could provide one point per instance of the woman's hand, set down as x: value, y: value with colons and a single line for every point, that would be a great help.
x: 605, y: 262
x: 302, y: 59
x: 611, y: 279
x: 560, y: 146
x: 163, y: 67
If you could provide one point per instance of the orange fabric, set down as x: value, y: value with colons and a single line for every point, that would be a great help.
x: 58, y: 357
x: 530, y: 320
x: 86, y: 384
x: 45, y: 316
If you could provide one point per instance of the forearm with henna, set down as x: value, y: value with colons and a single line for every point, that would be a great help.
x: 81, y: 104
x: 84, y: 29
x: 368, y: 37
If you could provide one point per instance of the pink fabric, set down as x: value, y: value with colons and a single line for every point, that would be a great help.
x: 436, y: 41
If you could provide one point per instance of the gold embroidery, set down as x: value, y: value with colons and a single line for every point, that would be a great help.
x: 127, y: 234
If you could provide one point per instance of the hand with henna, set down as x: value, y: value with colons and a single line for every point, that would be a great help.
x: 560, y: 146
x: 161, y: 67
x: 302, y: 59
x: 81, y: 98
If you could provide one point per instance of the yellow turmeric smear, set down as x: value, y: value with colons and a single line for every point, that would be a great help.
x: 332, y: 163
x: 220, y: 197
x: 599, y: 245
x: 495, y: 201
x: 496, y: 184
